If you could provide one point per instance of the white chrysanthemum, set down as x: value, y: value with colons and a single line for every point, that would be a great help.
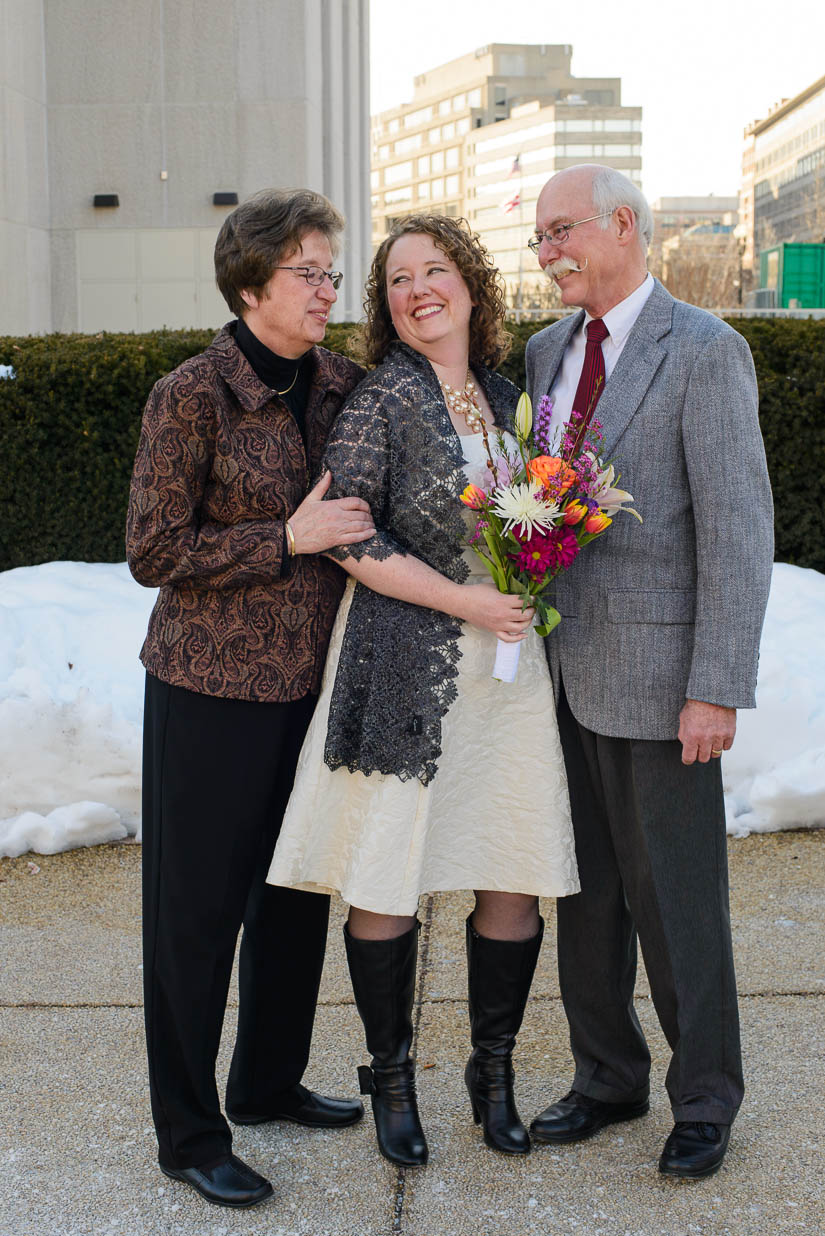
x: 523, y: 506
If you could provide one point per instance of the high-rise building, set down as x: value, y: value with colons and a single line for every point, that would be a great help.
x: 482, y: 135
x: 129, y: 131
x: 783, y: 174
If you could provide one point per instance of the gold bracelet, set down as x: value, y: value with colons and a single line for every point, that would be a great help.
x: 290, y: 540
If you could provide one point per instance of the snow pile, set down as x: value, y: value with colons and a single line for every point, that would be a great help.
x: 775, y: 772
x: 71, y: 703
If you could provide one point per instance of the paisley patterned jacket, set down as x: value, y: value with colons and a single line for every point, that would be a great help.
x: 220, y: 467
x: 394, y: 445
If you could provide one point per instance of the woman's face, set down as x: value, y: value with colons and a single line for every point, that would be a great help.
x: 429, y: 301
x: 292, y: 315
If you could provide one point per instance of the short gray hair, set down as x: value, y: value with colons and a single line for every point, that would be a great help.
x: 612, y: 189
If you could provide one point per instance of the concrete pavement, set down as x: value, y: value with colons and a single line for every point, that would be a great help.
x: 77, y: 1151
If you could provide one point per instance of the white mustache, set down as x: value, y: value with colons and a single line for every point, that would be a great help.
x: 564, y: 266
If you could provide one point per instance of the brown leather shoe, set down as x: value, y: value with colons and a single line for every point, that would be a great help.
x: 577, y: 1116
x: 694, y: 1149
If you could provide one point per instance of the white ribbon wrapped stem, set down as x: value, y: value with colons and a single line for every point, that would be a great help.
x: 506, y: 665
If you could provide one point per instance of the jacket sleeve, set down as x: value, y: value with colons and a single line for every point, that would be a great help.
x: 733, y: 517
x: 358, y: 455
x: 167, y: 542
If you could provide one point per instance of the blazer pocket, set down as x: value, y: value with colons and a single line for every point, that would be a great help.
x: 654, y: 605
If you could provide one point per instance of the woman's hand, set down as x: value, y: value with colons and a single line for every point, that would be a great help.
x: 484, y: 606
x: 317, y: 525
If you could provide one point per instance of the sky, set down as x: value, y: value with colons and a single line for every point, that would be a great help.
x: 700, y: 70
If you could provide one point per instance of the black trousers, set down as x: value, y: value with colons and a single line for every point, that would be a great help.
x: 652, y: 854
x: 217, y: 775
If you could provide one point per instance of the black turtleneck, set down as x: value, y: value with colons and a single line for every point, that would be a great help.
x: 279, y: 373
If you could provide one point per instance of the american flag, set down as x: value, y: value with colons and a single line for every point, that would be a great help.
x: 511, y: 203
x: 515, y: 170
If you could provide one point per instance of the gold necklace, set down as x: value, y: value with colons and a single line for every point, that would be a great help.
x: 292, y: 383
x: 464, y: 403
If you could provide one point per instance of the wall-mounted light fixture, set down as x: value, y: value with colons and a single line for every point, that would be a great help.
x: 105, y: 199
x: 224, y: 199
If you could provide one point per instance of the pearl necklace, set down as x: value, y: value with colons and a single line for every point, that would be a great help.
x: 465, y: 403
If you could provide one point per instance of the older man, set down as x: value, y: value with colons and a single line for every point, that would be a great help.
x: 657, y: 648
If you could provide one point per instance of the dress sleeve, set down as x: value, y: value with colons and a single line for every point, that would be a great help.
x: 359, y: 456
x: 167, y: 541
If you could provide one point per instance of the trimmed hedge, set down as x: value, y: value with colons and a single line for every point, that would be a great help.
x: 69, y: 423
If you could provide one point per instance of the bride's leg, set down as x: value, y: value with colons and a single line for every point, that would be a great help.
x: 381, y: 951
x: 503, y: 941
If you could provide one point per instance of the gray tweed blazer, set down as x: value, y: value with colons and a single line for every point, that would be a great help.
x: 670, y: 609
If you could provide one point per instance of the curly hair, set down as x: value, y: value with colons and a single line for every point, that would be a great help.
x: 489, y: 341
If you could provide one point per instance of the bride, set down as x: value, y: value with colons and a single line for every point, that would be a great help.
x: 420, y: 772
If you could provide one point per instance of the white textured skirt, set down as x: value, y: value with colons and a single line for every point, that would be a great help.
x: 495, y: 816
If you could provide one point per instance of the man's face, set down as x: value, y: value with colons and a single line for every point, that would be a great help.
x: 597, y: 259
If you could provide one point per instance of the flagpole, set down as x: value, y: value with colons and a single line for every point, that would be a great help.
x: 520, y: 247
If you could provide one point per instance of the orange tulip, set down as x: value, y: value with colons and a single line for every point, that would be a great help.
x: 597, y: 522
x: 548, y: 470
x: 574, y: 512
x: 474, y: 497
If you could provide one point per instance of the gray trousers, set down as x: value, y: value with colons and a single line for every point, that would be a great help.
x: 652, y: 854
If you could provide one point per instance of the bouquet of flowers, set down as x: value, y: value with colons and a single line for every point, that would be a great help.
x: 536, y: 509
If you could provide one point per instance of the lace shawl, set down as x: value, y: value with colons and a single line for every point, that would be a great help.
x: 394, y: 445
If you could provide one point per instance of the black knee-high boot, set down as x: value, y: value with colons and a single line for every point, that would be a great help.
x: 383, y: 980
x: 499, y: 974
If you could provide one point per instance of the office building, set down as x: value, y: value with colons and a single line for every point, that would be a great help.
x: 783, y: 175
x: 484, y: 132
x: 129, y: 131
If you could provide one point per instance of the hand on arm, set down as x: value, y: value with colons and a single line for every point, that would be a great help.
x: 705, y: 731
x: 317, y: 525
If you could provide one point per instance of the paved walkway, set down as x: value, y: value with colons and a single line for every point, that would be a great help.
x: 77, y: 1148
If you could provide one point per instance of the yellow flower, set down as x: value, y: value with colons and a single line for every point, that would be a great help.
x: 524, y: 416
x: 597, y: 522
x: 574, y: 512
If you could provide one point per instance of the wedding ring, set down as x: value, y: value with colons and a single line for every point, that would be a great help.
x: 713, y: 751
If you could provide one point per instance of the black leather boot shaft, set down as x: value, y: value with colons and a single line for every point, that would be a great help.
x: 383, y: 980
x: 499, y: 975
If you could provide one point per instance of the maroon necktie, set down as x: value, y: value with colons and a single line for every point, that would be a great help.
x: 592, y: 370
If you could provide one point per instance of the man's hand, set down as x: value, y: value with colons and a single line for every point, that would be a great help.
x: 317, y: 525
x: 705, y: 731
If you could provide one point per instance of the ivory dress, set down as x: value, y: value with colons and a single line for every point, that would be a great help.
x: 496, y: 815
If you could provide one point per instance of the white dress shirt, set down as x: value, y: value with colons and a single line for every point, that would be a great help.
x: 619, y: 321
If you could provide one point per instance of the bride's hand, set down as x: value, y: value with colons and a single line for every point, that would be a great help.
x: 484, y: 606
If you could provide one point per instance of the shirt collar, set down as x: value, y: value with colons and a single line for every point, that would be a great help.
x: 622, y: 317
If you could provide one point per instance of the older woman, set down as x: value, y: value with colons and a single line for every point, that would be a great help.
x: 220, y: 519
x: 421, y: 773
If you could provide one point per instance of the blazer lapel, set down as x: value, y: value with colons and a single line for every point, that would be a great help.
x: 552, y: 351
x: 641, y: 356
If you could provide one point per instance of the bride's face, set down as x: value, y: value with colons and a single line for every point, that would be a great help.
x: 428, y: 299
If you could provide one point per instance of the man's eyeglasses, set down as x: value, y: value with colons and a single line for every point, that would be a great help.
x: 315, y: 275
x: 558, y: 235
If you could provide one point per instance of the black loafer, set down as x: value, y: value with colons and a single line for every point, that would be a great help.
x: 694, y: 1149
x: 303, y: 1106
x: 577, y: 1116
x: 227, y: 1182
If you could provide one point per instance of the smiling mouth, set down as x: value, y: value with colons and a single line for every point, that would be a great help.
x: 427, y: 311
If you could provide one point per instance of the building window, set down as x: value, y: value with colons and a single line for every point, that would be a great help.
x: 405, y: 144
x: 463, y: 126
x: 400, y: 171
x: 444, y: 107
x: 394, y: 126
x: 420, y: 116
x: 451, y: 210
x: 423, y: 165
x: 499, y: 95
x: 459, y: 102
x: 451, y: 185
x: 448, y: 131
x: 452, y: 157
x: 474, y: 97
x: 437, y: 161
x: 435, y: 136
x: 438, y: 187
x: 424, y: 189
x: 383, y: 152
x: 398, y: 195
x: 375, y: 180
